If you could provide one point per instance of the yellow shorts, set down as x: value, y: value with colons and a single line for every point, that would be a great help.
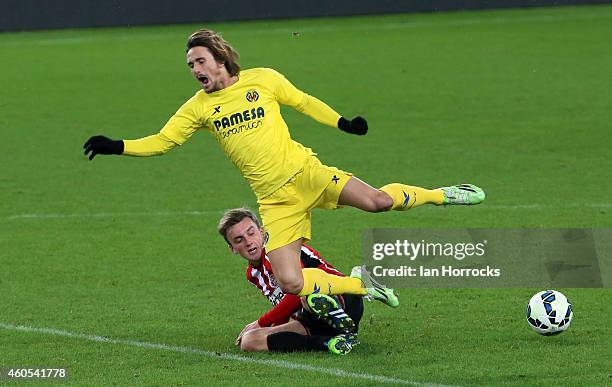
x: 286, y: 213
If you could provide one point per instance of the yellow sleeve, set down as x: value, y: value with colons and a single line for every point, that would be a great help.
x: 154, y: 145
x: 318, y: 110
x: 289, y: 95
x: 185, y: 122
x: 179, y: 128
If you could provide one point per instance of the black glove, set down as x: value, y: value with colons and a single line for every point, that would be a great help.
x: 357, y: 125
x: 103, y: 146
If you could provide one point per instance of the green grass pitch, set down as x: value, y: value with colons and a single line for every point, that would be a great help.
x: 516, y: 101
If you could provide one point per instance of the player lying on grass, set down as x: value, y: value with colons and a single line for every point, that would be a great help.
x: 241, y: 109
x: 320, y: 322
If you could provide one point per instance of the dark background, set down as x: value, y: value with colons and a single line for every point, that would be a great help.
x: 19, y: 15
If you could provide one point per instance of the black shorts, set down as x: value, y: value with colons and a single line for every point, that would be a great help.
x: 352, y: 305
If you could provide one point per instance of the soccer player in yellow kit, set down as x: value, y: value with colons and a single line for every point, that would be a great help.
x: 241, y: 109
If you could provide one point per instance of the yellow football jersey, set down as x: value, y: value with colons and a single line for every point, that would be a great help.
x: 245, y: 119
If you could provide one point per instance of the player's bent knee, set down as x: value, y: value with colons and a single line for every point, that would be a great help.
x: 246, y: 345
x: 253, y: 341
x: 293, y: 287
x: 381, y: 202
x: 291, y: 284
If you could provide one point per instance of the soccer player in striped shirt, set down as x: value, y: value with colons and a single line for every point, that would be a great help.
x: 320, y: 322
x: 241, y: 109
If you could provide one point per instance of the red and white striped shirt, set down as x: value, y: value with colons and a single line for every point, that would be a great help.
x: 284, y: 305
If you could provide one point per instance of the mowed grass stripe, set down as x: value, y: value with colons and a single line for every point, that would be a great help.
x: 263, y: 27
x: 43, y: 216
x: 217, y: 355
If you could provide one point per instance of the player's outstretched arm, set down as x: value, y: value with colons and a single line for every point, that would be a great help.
x: 154, y: 145
x: 290, y: 95
x: 179, y: 128
x: 321, y: 112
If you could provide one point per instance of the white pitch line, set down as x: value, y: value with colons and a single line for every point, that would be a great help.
x: 216, y: 355
x: 265, y: 29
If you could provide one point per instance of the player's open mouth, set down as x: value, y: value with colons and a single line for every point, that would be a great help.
x: 252, y: 250
x: 204, y: 81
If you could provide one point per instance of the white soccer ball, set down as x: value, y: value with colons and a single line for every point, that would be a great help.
x: 549, y: 312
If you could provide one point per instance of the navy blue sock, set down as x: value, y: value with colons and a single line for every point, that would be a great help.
x: 292, y: 341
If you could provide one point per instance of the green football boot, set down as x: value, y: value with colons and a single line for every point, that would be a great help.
x: 328, y: 310
x: 466, y: 194
x: 342, y: 344
x: 375, y: 290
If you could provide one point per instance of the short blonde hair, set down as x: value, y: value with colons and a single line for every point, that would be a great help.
x: 233, y: 217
